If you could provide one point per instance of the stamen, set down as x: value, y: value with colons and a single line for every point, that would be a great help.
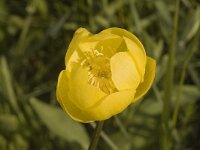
x: 99, y: 73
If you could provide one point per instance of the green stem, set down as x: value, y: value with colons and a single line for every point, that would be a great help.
x: 182, y: 78
x: 95, y: 138
x: 169, y: 82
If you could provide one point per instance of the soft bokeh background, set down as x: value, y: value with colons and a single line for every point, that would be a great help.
x: 34, y: 35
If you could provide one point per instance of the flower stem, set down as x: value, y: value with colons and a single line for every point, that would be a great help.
x: 191, y: 52
x: 96, y: 136
x: 166, y: 133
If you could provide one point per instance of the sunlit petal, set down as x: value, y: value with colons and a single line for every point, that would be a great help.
x: 64, y: 100
x: 124, y: 72
x: 112, y: 104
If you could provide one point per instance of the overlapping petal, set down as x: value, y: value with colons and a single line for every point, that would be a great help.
x: 124, y: 33
x: 103, y: 42
x: 112, y: 104
x: 148, y: 79
x: 132, y: 44
x: 64, y: 100
x: 124, y: 72
x: 84, y: 94
x: 138, y: 56
x: 72, y: 55
x: 78, y: 36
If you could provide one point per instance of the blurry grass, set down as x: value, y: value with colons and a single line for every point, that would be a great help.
x: 33, y: 39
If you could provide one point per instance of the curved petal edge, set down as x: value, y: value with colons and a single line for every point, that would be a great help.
x: 148, y: 79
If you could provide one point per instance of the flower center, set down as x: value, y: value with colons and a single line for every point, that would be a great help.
x: 99, y: 71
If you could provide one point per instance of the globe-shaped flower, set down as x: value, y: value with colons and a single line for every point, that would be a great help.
x: 104, y: 73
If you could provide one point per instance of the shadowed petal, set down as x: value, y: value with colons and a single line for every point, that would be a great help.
x: 124, y: 33
x: 137, y: 55
x: 148, y: 79
x: 71, y: 55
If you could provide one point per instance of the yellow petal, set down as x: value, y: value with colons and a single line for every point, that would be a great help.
x: 87, y: 46
x: 80, y: 34
x: 112, y: 104
x: 78, y: 75
x: 124, y: 33
x: 101, y: 37
x: 103, y: 42
x: 124, y: 72
x: 58, y: 97
x: 66, y: 102
x: 148, y: 79
x: 137, y: 55
x: 110, y: 45
x: 83, y: 94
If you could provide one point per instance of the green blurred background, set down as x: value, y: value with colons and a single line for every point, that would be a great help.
x: 34, y: 35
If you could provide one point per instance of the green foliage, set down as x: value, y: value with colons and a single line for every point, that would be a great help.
x: 60, y: 124
x: 34, y: 36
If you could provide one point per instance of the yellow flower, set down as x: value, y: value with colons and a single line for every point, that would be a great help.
x: 104, y: 73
